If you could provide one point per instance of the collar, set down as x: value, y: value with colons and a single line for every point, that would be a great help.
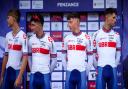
x: 106, y: 30
x: 76, y: 34
x: 41, y: 36
x: 14, y: 35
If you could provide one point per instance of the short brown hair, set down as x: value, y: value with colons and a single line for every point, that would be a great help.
x: 110, y: 11
x: 15, y: 13
x: 37, y: 17
x: 73, y: 15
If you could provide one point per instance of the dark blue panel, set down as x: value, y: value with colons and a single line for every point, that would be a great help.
x: 70, y: 5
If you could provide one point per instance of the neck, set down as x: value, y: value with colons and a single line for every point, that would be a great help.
x: 77, y: 32
x: 107, y: 26
x: 15, y: 28
x: 40, y: 34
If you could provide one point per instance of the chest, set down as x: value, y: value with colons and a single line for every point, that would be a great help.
x: 76, y: 41
x: 14, y: 41
x: 106, y: 40
x: 40, y: 43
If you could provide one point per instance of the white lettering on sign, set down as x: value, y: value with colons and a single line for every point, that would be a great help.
x: 73, y: 4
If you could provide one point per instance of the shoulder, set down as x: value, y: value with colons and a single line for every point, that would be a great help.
x: 23, y: 35
x: 8, y: 34
x: 67, y: 36
x: 86, y: 36
x: 29, y: 34
x: 49, y: 38
x: 95, y: 34
x: 116, y: 33
x: 32, y: 37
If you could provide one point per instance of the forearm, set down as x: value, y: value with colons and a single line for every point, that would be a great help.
x: 5, y: 59
x: 118, y: 54
x: 30, y: 62
x: 90, y: 61
x: 64, y: 61
x: 53, y: 64
x: 95, y: 60
x: 23, y: 66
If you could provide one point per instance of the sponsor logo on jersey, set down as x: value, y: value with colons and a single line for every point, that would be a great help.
x: 71, y: 41
x: 42, y: 43
x: 34, y: 43
x: 16, y: 40
x: 103, y: 38
x: 111, y: 37
x: 79, y: 40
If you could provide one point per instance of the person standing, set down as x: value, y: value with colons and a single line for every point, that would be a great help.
x: 16, y: 53
x: 42, y: 50
x: 76, y: 51
x: 106, y: 47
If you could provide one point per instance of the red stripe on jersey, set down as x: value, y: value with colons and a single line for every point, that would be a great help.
x: 107, y: 44
x: 40, y: 50
x: 112, y: 44
x: 44, y: 51
x: 80, y: 47
x: 76, y: 47
x: 15, y: 47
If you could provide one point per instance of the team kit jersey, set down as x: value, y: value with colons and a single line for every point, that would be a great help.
x: 106, y: 44
x: 16, y: 48
x: 42, y: 51
x: 77, y: 48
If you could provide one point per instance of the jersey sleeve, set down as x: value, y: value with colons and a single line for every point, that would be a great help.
x: 29, y: 47
x: 89, y: 47
x: 89, y: 54
x: 6, y: 46
x: 94, y: 48
x: 64, y: 53
x: 30, y: 54
x: 118, y: 46
x: 24, y: 44
x: 118, y: 49
x: 94, y: 42
x: 53, y: 51
x: 64, y: 45
x: 53, y: 54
